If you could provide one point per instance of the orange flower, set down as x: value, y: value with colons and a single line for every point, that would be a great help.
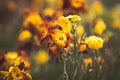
x: 76, y: 3
x: 59, y: 37
x: 32, y: 19
x: 48, y: 12
x: 15, y: 73
x: 42, y: 31
x: 53, y: 48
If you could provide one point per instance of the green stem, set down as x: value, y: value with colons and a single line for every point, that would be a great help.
x: 66, y: 77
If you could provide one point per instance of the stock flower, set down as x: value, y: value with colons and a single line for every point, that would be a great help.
x: 100, y: 26
x: 76, y: 3
x: 33, y: 19
x: 24, y: 36
x: 80, y: 30
x: 41, y: 57
x: 65, y: 24
x: 94, y: 42
x: 59, y: 37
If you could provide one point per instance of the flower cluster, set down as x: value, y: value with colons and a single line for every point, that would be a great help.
x: 15, y: 73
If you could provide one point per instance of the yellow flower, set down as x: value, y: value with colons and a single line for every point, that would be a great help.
x: 48, y: 12
x: 97, y: 7
x: 76, y: 3
x: 65, y: 24
x: 12, y: 58
x: 94, y: 42
x: 100, y: 26
x: 116, y: 24
x: 74, y: 18
x: 41, y: 57
x: 80, y: 30
x: 59, y: 37
x: 15, y: 73
x: 32, y: 19
x: 24, y: 36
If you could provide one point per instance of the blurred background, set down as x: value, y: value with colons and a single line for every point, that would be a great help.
x: 11, y: 24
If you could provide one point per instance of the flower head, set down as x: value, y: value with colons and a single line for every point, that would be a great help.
x: 100, y: 26
x: 15, y: 73
x: 59, y: 38
x: 74, y: 18
x: 77, y: 3
x: 32, y: 19
x: 25, y: 36
x: 65, y: 24
x: 41, y: 57
x: 94, y: 42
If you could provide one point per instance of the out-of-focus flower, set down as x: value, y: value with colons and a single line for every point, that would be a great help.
x: 116, y: 24
x: 32, y: 19
x: 97, y: 7
x: 42, y: 31
x: 87, y: 62
x: 15, y: 58
x: 80, y: 30
x: 37, y: 5
x: 41, y: 57
x: 36, y: 40
x: 60, y: 4
x: 48, y: 12
x: 82, y: 48
x: 65, y: 24
x: 11, y: 6
x: 94, y: 42
x: 50, y: 1
x: 107, y: 35
x: 100, y: 26
x: 74, y: 18
x: 101, y: 61
x: 59, y: 37
x: 24, y: 58
x: 24, y: 36
x: 12, y: 57
x: 115, y: 15
x: 77, y: 3
x: 15, y: 73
